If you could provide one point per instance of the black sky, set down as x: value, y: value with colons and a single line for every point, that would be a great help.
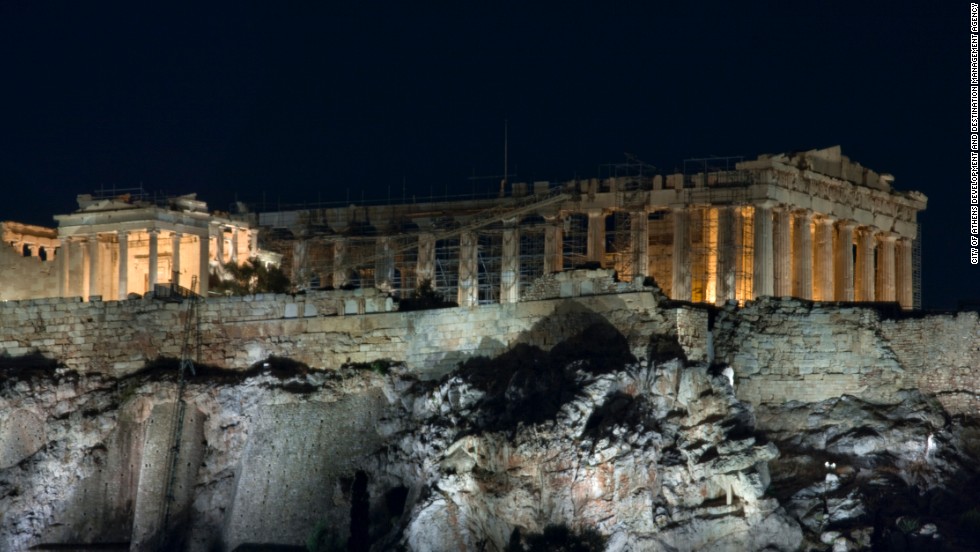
x: 282, y: 106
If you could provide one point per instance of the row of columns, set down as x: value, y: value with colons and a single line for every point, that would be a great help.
x: 92, y: 255
x: 793, y: 253
x: 790, y: 259
x: 468, y: 269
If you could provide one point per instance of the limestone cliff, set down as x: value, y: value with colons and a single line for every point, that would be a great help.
x: 652, y: 455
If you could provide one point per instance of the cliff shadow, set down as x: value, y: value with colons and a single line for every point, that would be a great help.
x: 530, y: 382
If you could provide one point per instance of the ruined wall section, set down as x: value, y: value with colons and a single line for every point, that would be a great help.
x: 120, y: 337
x: 574, y: 284
x: 783, y: 350
x: 942, y: 353
x: 27, y: 276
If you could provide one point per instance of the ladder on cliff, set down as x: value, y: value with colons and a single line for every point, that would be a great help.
x: 190, y: 339
x: 511, y: 209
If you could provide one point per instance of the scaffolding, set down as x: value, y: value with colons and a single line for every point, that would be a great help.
x: 660, y: 248
x: 575, y: 240
x: 363, y: 263
x: 619, y: 245
x: 531, y: 233
x: 446, y: 281
x: 489, y: 255
x: 715, y: 172
x: 917, y: 269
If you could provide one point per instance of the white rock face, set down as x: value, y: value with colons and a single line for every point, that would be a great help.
x: 21, y: 435
x: 643, y: 455
x: 657, y: 456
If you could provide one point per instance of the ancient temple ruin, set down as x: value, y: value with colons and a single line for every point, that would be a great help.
x: 813, y: 225
x: 116, y: 245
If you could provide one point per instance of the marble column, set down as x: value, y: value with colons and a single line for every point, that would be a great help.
x: 903, y: 273
x: 234, y: 245
x: 340, y: 269
x: 844, y: 261
x: 680, y: 288
x: 596, y: 243
x: 175, y: 258
x: 742, y: 252
x: 762, y: 273
x: 93, y: 267
x: 64, y: 262
x: 782, y: 270
x: 725, y: 272
x: 510, y: 263
x: 885, y: 285
x: 802, y: 254
x: 219, y: 245
x: 469, y: 292
x: 384, y: 264
x: 553, y: 245
x: 123, y: 237
x: 79, y: 268
x: 204, y: 264
x: 864, y: 281
x: 426, y: 262
x: 154, y: 258
x: 823, y: 258
x: 109, y: 269
x: 640, y: 244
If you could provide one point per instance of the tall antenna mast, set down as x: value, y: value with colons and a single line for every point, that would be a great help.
x: 503, y: 181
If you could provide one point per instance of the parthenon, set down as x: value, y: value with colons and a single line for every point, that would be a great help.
x: 812, y: 225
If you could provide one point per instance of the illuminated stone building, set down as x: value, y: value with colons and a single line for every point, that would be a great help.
x: 813, y: 225
x: 115, y: 246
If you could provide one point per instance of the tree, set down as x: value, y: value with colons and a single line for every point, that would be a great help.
x: 249, y: 278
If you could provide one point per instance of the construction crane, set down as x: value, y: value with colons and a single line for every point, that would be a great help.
x: 190, y: 339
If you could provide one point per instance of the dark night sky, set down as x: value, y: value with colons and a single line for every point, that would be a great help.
x: 326, y: 104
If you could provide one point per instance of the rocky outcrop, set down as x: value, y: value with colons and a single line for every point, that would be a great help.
x: 894, y: 476
x: 654, y: 458
x: 582, y: 440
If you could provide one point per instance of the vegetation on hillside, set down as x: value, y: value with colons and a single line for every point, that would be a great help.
x: 249, y: 278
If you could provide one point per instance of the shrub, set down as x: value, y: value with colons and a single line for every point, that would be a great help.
x: 908, y: 524
x: 425, y: 298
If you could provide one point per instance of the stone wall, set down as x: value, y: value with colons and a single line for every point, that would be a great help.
x: 941, y: 352
x: 575, y: 283
x: 798, y: 350
x: 22, y: 277
x: 120, y: 337
x: 790, y: 349
x: 781, y: 350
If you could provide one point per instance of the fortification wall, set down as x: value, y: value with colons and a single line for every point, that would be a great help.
x: 120, y: 337
x: 780, y: 350
x: 797, y: 350
x: 24, y: 277
x: 941, y: 352
x: 789, y: 349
